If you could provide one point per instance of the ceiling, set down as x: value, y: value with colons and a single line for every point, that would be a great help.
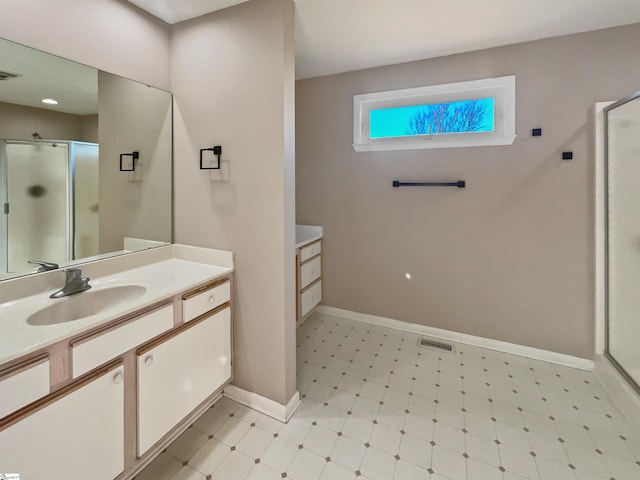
x: 42, y: 75
x: 335, y: 36
x: 174, y: 11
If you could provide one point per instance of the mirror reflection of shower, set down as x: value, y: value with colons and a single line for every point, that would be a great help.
x: 49, y: 190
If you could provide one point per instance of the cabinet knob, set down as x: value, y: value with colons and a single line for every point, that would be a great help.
x: 212, y: 300
x: 148, y: 361
x: 118, y: 377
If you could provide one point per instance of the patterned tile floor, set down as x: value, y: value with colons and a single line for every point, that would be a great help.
x: 377, y: 406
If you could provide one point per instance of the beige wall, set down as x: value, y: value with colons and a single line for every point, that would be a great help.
x: 233, y: 81
x: 18, y: 122
x: 110, y: 35
x: 511, y: 256
x: 133, y: 117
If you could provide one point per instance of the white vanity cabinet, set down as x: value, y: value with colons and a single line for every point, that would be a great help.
x: 75, y: 433
x: 179, y: 371
x: 309, y: 278
x: 102, y: 403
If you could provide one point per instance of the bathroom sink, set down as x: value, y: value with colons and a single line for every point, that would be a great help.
x: 85, y: 304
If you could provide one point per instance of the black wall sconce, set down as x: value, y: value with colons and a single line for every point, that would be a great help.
x: 217, y: 151
x: 134, y: 156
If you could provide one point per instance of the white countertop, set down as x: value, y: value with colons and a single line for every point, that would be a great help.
x: 162, y: 280
x: 306, y: 234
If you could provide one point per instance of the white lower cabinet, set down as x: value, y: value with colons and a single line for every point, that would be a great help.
x: 309, y: 283
x: 101, y: 405
x: 78, y: 434
x: 180, y: 371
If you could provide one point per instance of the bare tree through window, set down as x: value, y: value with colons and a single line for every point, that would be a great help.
x: 454, y: 117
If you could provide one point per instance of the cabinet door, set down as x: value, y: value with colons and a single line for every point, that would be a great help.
x: 177, y: 374
x: 77, y: 435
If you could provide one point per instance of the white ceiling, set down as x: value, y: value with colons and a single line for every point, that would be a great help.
x: 174, y: 11
x: 339, y: 35
x: 335, y: 36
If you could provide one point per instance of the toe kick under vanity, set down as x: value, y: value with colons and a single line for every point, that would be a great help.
x: 96, y: 384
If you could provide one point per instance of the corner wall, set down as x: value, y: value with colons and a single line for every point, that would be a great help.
x: 233, y: 85
x: 511, y: 256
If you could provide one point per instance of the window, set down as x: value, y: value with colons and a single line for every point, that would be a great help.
x: 464, y: 114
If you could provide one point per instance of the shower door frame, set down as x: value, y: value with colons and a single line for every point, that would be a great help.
x: 4, y: 217
x: 4, y: 198
x: 605, y: 111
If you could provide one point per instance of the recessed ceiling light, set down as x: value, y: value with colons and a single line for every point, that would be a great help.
x: 49, y: 101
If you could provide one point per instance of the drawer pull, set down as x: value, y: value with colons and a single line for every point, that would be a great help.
x: 148, y: 361
x: 117, y: 378
x: 212, y: 300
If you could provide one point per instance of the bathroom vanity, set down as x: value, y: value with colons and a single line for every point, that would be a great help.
x: 308, y: 270
x: 96, y: 384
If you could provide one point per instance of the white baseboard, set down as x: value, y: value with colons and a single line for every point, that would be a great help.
x: 263, y: 404
x: 506, y: 347
x: 621, y: 393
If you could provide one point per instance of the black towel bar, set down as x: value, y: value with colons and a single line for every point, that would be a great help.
x: 459, y: 184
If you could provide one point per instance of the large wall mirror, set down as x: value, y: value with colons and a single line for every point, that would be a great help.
x: 66, y: 131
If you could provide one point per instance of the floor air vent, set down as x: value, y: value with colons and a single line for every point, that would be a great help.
x: 436, y: 345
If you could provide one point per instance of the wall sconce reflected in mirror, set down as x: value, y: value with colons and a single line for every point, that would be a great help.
x: 134, y: 156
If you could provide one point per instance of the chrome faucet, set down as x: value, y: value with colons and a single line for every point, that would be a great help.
x: 44, y: 266
x: 75, y: 283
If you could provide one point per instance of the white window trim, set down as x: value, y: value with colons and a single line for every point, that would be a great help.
x: 502, y: 89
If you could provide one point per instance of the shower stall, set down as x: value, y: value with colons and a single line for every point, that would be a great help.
x: 49, y: 200
x: 617, y: 147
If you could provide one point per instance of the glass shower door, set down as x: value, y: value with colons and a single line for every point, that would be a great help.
x: 623, y: 236
x: 37, y: 177
x: 86, y: 185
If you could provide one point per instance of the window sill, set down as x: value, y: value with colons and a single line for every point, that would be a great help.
x: 388, y: 145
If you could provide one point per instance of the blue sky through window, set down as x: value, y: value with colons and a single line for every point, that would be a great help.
x: 437, y: 118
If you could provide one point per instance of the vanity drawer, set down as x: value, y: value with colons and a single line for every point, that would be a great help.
x: 310, y: 271
x: 90, y: 352
x: 23, y: 384
x: 310, y: 298
x: 310, y: 251
x: 207, y: 298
